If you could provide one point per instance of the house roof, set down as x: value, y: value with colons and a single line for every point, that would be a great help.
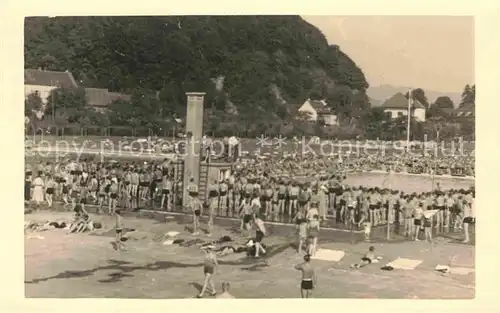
x: 325, y: 110
x: 399, y: 101
x: 49, y: 78
x: 464, y: 114
x: 317, y: 104
x: 102, y: 97
x: 467, y: 107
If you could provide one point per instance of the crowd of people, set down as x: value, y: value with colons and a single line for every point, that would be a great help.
x: 282, y: 188
x: 307, y: 190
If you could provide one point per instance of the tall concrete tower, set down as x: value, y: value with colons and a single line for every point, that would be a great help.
x: 194, y: 132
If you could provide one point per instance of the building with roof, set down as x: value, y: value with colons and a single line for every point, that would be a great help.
x: 99, y: 98
x: 397, y: 106
x: 43, y: 82
x: 466, y: 110
x: 318, y: 110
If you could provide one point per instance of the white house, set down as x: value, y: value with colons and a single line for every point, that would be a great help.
x: 312, y: 107
x: 318, y: 110
x: 43, y: 82
x: 397, y: 106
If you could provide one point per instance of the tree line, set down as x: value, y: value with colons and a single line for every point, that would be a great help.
x: 142, y: 115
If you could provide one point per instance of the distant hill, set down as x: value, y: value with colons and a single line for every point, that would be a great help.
x: 258, y: 62
x: 378, y: 94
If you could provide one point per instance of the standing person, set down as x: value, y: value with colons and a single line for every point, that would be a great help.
x: 245, y: 213
x: 144, y: 182
x: 301, y: 221
x: 304, y: 198
x: 134, y: 186
x: 469, y: 218
x: 83, y: 195
x: 391, y: 207
x: 212, y: 211
x: 417, y: 219
x: 308, y: 281
x: 374, y: 207
x: 247, y: 188
x: 166, y: 192
x: 65, y: 191
x: 38, y: 190
x: 441, y: 206
x: 196, y: 208
x: 331, y: 194
x: 213, y: 195
x: 450, y: 205
x: 113, y: 196
x: 427, y: 224
x: 209, y: 268
x: 192, y: 189
x: 27, y: 189
x: 49, y: 191
x: 323, y: 199
x: 127, y: 182
x: 458, y: 212
x: 119, y: 245
x: 281, y: 190
x: 313, y: 231
x: 94, y: 186
x: 225, y: 292
x: 364, y: 220
x: 268, y: 199
x: 223, y: 190
x: 407, y: 211
x: 260, y: 232
x: 293, y: 196
x: 256, y: 205
x: 102, y: 195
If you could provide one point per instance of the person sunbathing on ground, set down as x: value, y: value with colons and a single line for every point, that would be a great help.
x: 229, y: 249
x: 82, y: 220
x: 368, y: 258
x: 39, y: 226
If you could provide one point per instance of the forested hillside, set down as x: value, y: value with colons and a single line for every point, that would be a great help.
x: 262, y: 66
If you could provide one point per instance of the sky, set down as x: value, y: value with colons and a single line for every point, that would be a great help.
x: 429, y: 52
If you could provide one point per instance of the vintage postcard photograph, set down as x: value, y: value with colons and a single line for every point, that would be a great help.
x: 249, y: 156
x: 292, y: 156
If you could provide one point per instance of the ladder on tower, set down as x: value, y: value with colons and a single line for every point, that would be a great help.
x: 178, y: 177
x: 203, y: 182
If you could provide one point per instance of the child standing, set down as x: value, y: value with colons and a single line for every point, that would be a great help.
x: 301, y: 223
x: 119, y: 245
x: 313, y: 230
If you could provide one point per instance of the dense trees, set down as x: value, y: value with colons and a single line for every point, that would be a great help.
x: 185, y: 53
x: 255, y: 70
x: 469, y: 94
